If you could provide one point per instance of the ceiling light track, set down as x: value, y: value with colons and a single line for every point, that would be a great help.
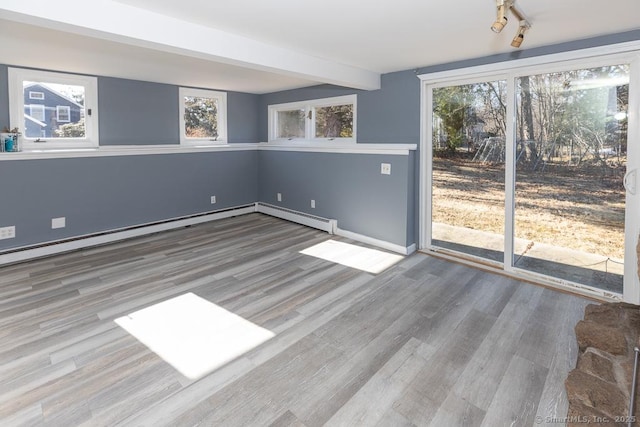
x: 502, y: 9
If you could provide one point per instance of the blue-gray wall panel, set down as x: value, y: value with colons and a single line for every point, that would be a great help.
x: 391, y: 114
x: 242, y: 112
x: 346, y: 187
x: 4, y: 96
x: 135, y: 112
x: 103, y: 193
x: 387, y: 115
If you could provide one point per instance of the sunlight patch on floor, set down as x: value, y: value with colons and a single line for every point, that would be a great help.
x: 192, y: 334
x: 365, y: 259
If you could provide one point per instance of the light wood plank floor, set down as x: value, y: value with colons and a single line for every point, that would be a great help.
x: 427, y: 342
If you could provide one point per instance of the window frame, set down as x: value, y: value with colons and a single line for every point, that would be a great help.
x: 221, y: 97
x: 627, y: 52
x: 39, y: 107
x: 67, y: 109
x: 16, y: 77
x: 32, y: 94
x: 310, y: 106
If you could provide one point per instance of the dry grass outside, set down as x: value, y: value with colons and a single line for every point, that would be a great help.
x: 576, y: 208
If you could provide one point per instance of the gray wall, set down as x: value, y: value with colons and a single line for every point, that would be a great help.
x: 386, y: 115
x: 349, y: 187
x: 103, y: 193
x: 4, y: 96
x: 346, y: 187
x: 134, y: 112
x: 144, y: 113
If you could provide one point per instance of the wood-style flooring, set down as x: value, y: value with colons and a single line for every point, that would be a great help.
x: 426, y: 342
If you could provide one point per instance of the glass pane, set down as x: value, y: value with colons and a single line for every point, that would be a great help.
x: 201, y: 117
x: 335, y: 121
x: 291, y: 124
x: 468, y: 168
x: 42, y: 103
x: 570, y: 162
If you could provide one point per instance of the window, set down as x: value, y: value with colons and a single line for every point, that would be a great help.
x: 63, y: 113
x: 203, y: 116
x: 328, y: 119
x: 66, y: 115
x: 37, y: 112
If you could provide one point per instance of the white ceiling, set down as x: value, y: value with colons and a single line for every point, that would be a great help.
x: 262, y: 46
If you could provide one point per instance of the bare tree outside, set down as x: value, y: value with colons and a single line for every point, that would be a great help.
x: 291, y: 124
x: 334, y: 121
x: 201, y: 117
x: 570, y: 154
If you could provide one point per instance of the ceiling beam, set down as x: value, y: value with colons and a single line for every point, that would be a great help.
x: 118, y: 22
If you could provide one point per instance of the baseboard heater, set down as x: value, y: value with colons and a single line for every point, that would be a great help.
x: 313, y: 221
x: 95, y: 239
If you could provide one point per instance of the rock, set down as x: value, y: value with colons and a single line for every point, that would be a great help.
x: 580, y: 415
x: 603, y: 314
x: 597, y: 364
x: 632, y: 323
x: 589, y: 391
x: 615, y: 315
x: 598, y: 389
x: 605, y: 338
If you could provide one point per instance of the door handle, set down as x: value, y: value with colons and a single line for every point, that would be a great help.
x: 630, y: 181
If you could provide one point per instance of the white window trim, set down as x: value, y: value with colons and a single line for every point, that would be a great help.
x: 63, y: 107
x: 310, y: 131
x: 16, y: 107
x: 40, y: 107
x: 32, y: 95
x: 222, y: 116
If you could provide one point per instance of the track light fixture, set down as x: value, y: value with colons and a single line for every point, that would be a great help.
x: 501, y: 20
x: 502, y: 7
x: 517, y: 40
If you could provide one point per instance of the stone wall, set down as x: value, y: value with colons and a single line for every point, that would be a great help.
x: 598, y: 389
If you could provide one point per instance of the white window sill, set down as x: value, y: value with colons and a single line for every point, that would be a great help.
x: 338, y: 147
x: 120, y: 150
x: 139, y: 150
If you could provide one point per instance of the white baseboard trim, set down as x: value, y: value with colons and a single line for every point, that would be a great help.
x: 403, y: 250
x: 86, y: 241
x: 80, y: 242
x: 324, y: 224
x: 330, y: 226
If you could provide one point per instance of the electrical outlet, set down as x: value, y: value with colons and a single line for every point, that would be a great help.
x: 279, y: 197
x: 58, y: 222
x: 313, y: 204
x: 8, y: 232
x: 385, y: 168
x: 213, y: 200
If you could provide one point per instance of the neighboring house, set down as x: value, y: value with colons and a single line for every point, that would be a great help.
x: 46, y: 110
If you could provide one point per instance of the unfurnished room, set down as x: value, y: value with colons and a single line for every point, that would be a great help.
x: 338, y: 213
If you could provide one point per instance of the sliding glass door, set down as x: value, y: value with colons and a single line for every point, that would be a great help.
x: 527, y: 171
x: 468, y: 133
x: 571, y: 157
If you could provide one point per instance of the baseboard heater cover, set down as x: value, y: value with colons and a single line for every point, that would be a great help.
x: 324, y: 224
x: 79, y: 242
